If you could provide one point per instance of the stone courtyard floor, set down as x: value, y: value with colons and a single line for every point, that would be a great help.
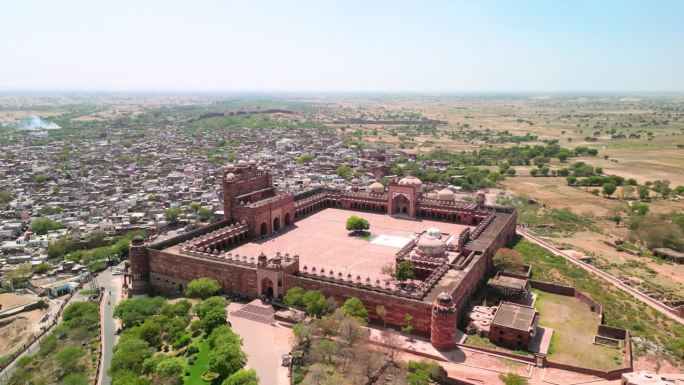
x: 321, y: 241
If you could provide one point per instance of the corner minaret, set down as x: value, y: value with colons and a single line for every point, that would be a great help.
x: 443, y: 325
x: 140, y: 268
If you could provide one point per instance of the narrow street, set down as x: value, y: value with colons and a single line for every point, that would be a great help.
x: 111, y: 283
x: 112, y: 296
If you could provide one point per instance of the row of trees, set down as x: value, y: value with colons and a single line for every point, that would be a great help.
x: 66, y: 355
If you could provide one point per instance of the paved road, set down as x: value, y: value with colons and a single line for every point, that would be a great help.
x: 111, y: 284
x: 616, y: 282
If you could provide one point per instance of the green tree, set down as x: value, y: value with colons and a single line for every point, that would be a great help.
x: 405, y: 270
x: 608, y: 189
x: 75, y: 379
x: 68, y: 359
x: 294, y: 297
x: 534, y: 172
x: 5, y: 196
x: 135, y: 311
x: 172, y: 214
x: 354, y: 307
x: 314, y: 302
x: 202, y: 288
x: 213, y: 318
x: 344, y: 172
x: 643, y: 192
x: 242, y: 377
x: 170, y: 369
x: 226, y: 359
x: 205, y: 213
x: 304, y: 158
x: 408, y: 324
x: 210, y: 303
x: 41, y: 178
x: 129, y: 354
x: 41, y: 268
x: 42, y: 225
x: 357, y: 224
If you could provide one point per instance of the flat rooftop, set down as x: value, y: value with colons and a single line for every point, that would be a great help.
x: 321, y: 241
x: 518, y: 317
x: 508, y: 282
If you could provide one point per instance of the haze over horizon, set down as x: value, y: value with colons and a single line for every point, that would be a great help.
x: 350, y: 46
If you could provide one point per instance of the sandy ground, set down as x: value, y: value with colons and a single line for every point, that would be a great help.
x: 555, y: 192
x: 264, y: 345
x: 10, y: 300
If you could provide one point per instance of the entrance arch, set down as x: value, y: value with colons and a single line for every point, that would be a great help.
x: 287, y: 219
x: 276, y: 224
x: 267, y: 287
x: 264, y: 229
x: 401, y: 204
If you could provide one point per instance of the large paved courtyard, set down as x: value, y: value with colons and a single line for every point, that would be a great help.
x: 321, y: 241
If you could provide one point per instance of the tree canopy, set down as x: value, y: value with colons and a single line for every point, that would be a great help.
x: 43, y: 225
x: 357, y: 224
x: 202, y: 288
x: 404, y: 271
x: 354, y: 307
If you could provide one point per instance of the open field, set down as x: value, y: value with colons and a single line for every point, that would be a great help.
x: 619, y: 309
x: 574, y: 327
x: 554, y: 192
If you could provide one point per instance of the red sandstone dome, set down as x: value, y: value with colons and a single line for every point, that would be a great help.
x: 430, y: 244
x: 445, y: 195
x: 410, y: 180
x: 376, y: 188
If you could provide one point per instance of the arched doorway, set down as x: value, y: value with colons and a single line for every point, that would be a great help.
x: 400, y: 205
x: 276, y: 224
x: 267, y: 287
x: 287, y: 219
x: 180, y: 288
x: 264, y: 229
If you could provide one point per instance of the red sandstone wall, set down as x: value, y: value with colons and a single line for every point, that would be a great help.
x: 509, y: 337
x: 237, y: 278
x: 475, y: 273
x: 396, y: 307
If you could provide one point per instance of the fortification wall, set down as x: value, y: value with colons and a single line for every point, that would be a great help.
x: 396, y: 307
x: 232, y: 277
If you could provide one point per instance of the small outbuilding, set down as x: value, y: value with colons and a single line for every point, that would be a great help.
x: 514, y: 325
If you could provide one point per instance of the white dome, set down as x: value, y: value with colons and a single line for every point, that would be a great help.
x: 252, y: 162
x: 434, y: 232
x: 431, y: 245
x: 230, y: 176
x: 230, y: 167
x: 355, y: 181
x: 241, y: 163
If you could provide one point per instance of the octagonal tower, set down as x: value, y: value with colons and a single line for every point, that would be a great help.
x: 140, y: 268
x: 443, y: 325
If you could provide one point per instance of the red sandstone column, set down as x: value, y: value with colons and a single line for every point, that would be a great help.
x: 140, y: 269
x: 443, y: 322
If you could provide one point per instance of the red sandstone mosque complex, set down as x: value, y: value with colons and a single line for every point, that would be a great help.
x: 270, y: 241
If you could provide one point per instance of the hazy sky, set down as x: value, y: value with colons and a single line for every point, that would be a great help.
x: 423, y: 46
